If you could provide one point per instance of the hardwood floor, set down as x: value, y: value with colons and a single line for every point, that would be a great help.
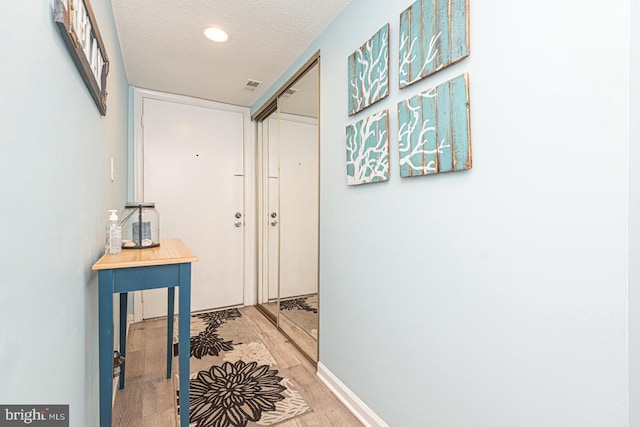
x: 148, y: 398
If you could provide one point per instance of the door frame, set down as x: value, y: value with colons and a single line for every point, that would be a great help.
x: 135, y: 174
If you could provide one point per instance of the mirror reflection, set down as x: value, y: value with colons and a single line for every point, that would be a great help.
x: 290, y: 184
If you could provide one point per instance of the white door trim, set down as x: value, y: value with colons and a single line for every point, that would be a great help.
x: 136, y: 162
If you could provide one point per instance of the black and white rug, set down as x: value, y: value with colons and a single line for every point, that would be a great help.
x: 235, y: 381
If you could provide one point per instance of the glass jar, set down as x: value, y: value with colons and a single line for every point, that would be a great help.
x: 134, y: 236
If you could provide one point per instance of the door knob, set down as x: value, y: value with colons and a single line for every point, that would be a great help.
x: 238, y: 223
x: 274, y: 222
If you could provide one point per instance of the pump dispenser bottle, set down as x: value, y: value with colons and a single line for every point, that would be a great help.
x: 114, y: 231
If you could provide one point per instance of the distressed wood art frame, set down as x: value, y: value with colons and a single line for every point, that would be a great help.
x: 434, y: 131
x: 79, y: 30
x: 368, y: 149
x: 433, y: 34
x: 369, y: 72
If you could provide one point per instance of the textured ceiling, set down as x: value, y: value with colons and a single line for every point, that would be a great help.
x: 164, y: 48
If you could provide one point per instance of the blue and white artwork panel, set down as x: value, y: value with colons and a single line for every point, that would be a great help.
x: 368, y: 69
x: 434, y: 132
x: 433, y: 34
x: 368, y: 150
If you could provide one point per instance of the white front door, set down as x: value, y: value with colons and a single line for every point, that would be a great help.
x: 193, y: 171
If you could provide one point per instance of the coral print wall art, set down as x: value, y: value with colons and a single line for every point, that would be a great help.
x: 433, y: 35
x: 369, y: 72
x: 368, y: 150
x: 434, y: 133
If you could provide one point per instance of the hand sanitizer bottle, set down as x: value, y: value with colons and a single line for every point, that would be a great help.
x: 115, y: 233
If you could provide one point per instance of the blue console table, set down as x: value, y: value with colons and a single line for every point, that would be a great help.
x: 166, y: 266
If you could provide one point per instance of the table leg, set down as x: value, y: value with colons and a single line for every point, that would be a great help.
x: 105, y: 344
x: 185, y: 340
x: 123, y: 335
x: 170, y: 315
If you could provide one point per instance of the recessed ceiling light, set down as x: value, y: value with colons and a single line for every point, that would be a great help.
x: 216, y: 34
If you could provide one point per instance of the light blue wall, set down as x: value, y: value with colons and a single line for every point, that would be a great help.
x: 54, y: 192
x: 496, y: 296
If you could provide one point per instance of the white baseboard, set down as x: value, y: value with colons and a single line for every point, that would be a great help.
x: 353, y: 403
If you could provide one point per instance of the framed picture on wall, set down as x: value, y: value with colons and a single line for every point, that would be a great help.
x: 79, y: 30
x: 434, y: 130
x: 368, y: 149
x: 368, y: 69
x: 433, y: 35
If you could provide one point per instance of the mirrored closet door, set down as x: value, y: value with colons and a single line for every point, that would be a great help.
x: 289, y: 172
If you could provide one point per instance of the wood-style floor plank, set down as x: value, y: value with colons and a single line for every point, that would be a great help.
x: 148, y: 398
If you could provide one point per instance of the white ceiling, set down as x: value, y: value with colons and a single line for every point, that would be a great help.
x: 164, y: 47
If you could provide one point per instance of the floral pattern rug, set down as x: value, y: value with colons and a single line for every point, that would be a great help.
x: 235, y: 381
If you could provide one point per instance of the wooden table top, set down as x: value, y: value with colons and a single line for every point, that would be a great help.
x: 170, y: 251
